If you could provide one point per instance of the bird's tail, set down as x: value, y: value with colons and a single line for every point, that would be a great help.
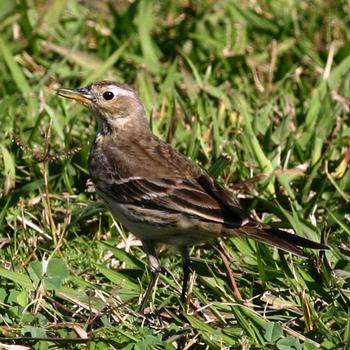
x: 281, y: 239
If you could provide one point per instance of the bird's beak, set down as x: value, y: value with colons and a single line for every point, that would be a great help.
x: 82, y: 95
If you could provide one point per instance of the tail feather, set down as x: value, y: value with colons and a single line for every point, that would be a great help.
x: 282, y: 239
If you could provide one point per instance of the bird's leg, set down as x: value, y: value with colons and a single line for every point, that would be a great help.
x: 154, y: 266
x: 186, y: 267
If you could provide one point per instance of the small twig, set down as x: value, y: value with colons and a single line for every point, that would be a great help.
x: 49, y: 216
x: 272, y: 65
x: 45, y: 156
x: 231, y: 278
x: 331, y: 52
x: 22, y: 340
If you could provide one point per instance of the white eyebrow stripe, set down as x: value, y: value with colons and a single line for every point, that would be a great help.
x: 118, y: 91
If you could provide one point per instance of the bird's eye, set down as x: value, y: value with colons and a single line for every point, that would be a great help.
x: 108, y: 95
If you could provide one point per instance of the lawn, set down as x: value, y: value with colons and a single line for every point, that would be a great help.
x: 255, y: 92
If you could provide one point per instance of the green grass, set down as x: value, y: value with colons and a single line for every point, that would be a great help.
x: 256, y: 92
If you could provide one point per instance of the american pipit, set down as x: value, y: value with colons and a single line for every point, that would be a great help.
x: 156, y: 192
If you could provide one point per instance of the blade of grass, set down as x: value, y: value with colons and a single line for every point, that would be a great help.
x: 253, y: 142
x: 53, y: 13
x: 9, y: 171
x: 16, y: 277
x: 316, y: 102
x: 16, y: 72
x: 118, y: 278
x: 107, y: 65
x: 145, y: 22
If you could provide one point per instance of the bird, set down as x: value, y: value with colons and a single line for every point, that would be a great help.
x: 156, y: 192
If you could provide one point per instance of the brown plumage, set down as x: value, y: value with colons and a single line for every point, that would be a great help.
x: 156, y: 192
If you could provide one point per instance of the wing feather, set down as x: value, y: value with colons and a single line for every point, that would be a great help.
x: 187, y: 196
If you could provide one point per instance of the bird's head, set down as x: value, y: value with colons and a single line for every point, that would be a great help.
x: 116, y: 104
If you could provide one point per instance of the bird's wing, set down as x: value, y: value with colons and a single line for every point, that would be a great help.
x: 253, y: 229
x: 198, y: 197
x: 203, y: 199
